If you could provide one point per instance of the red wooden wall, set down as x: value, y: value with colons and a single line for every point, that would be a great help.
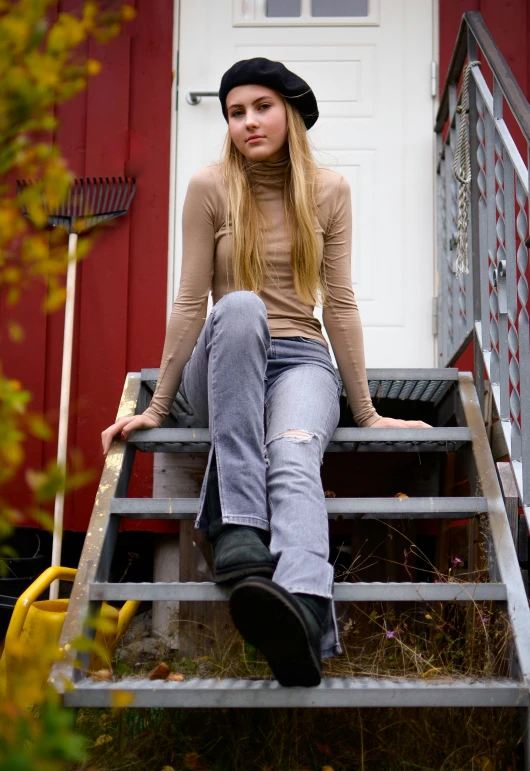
x: 509, y: 23
x: 119, y: 126
x: 507, y: 20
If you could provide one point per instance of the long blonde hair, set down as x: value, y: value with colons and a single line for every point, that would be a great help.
x: 248, y: 222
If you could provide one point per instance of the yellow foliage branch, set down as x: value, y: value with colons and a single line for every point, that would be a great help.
x: 42, y: 64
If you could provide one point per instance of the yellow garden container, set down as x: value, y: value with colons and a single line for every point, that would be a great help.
x: 35, y: 628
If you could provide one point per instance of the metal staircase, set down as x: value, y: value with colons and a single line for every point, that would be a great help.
x: 453, y: 398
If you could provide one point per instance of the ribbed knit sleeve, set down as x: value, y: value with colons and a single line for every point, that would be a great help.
x: 189, y: 309
x: 341, y: 314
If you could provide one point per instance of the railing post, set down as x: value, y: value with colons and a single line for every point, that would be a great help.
x: 491, y: 333
x: 475, y: 223
x: 509, y: 355
x: 441, y: 246
x: 524, y: 357
x: 451, y: 213
x: 501, y: 231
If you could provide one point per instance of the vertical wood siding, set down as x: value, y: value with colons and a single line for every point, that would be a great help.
x: 509, y: 23
x: 119, y: 126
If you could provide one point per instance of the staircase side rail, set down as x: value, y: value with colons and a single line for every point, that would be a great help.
x: 504, y: 562
x: 98, y: 548
x: 491, y: 303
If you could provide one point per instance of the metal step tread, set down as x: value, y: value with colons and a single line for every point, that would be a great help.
x: 399, y: 374
x: 348, y: 434
x: 332, y: 692
x: 434, y: 439
x: 420, y: 384
x: 347, y: 508
x: 375, y: 591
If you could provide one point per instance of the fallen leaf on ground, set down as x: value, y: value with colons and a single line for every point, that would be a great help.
x: 193, y: 760
x: 103, y: 739
x: 160, y: 672
x: 484, y: 763
x: 102, y: 674
x: 430, y: 672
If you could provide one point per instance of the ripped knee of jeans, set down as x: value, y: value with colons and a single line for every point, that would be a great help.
x: 295, y: 435
x: 298, y: 436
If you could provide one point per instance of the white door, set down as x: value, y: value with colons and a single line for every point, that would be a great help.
x: 370, y: 72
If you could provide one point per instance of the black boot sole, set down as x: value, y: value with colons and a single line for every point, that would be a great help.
x: 267, y: 617
x: 244, y: 571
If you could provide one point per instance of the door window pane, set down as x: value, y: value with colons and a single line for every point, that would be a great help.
x: 279, y: 8
x: 339, y: 8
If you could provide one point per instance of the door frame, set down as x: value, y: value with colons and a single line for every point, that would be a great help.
x: 173, y: 162
x: 435, y: 105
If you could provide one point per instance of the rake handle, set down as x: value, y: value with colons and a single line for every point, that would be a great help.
x: 66, y: 373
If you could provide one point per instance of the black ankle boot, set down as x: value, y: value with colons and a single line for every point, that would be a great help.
x: 287, y: 628
x: 239, y: 550
x: 317, y: 611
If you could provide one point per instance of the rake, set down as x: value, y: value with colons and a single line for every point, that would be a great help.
x: 90, y: 201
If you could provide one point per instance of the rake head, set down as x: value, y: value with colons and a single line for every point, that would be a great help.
x: 89, y: 202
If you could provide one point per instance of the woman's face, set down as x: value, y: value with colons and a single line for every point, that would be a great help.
x: 255, y: 110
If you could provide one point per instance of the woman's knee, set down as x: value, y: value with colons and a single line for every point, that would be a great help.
x: 242, y: 302
x: 245, y: 311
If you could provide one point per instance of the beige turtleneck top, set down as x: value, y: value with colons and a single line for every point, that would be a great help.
x: 206, y: 265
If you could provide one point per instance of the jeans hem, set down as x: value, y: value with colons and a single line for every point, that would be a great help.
x: 202, y: 524
x: 254, y: 521
x: 333, y: 650
x: 327, y: 594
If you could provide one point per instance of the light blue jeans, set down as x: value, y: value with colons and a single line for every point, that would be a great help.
x: 253, y: 392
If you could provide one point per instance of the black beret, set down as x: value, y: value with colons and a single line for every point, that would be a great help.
x: 275, y: 75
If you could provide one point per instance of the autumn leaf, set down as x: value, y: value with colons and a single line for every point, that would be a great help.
x: 55, y: 299
x: 103, y: 739
x: 16, y: 332
x: 121, y: 699
x: 431, y: 672
x: 160, y: 672
x: 192, y: 761
x: 102, y: 675
x: 38, y: 426
x: 93, y: 67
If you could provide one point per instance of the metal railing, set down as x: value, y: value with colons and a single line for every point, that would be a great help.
x: 490, y: 304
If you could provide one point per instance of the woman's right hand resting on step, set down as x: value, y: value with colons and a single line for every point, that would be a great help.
x: 125, y: 426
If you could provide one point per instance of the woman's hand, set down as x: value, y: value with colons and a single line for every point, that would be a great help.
x: 396, y: 423
x: 125, y: 425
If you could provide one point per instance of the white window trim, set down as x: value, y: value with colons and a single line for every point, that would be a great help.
x: 251, y: 13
